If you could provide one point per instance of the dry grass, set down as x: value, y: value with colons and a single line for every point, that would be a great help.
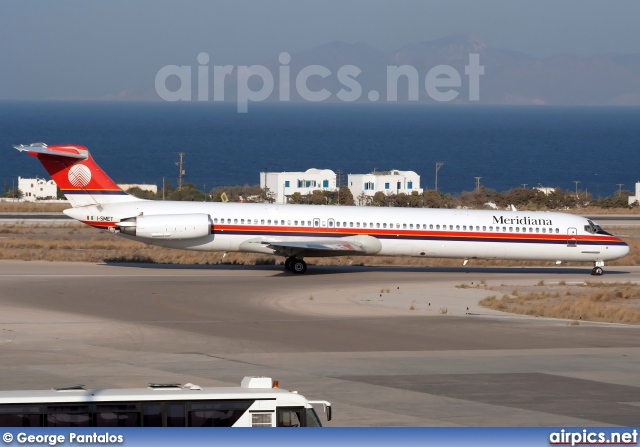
x: 592, y: 301
x: 590, y: 210
x: 32, y: 207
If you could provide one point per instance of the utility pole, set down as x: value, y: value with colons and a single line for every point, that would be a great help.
x: 620, y: 185
x: 524, y: 185
x: 180, y: 164
x: 266, y: 187
x: 576, y: 182
x: 438, y: 166
x: 163, y: 185
x: 478, y: 184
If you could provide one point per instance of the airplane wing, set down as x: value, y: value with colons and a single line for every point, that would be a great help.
x: 316, y: 247
x: 324, y: 247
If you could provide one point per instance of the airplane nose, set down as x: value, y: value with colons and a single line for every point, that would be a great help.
x: 622, y: 249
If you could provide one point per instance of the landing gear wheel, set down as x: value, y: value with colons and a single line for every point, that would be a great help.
x: 298, y: 266
x: 287, y: 263
x: 597, y: 271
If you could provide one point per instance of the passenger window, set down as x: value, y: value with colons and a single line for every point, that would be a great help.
x: 331, y: 224
x: 384, y: 225
x: 378, y: 225
x: 215, y: 220
x: 337, y: 224
x: 295, y: 222
x: 262, y: 222
x: 537, y: 230
x: 288, y: 222
x: 490, y: 228
x: 255, y: 221
x: 358, y: 224
x: 431, y: 226
x: 397, y: 225
x: 464, y: 228
x: 235, y: 221
x: 484, y: 228
x: 404, y: 226
x: 437, y: 227
x: 282, y: 222
x: 544, y: 230
x: 308, y: 223
x: 152, y: 415
x: 269, y: 222
x: 242, y: 221
x: 175, y: 415
x: 557, y: 230
x: 117, y: 415
x: 457, y: 227
x: 351, y: 224
x: 510, y: 229
x: 411, y: 226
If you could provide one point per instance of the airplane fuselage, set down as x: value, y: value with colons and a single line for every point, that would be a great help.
x: 467, y: 234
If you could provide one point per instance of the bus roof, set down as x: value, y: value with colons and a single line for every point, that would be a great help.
x: 155, y: 392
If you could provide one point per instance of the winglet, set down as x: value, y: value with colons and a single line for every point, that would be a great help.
x: 36, y: 149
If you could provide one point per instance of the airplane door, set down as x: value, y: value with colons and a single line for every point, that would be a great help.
x: 316, y: 223
x: 331, y: 224
x: 572, y: 237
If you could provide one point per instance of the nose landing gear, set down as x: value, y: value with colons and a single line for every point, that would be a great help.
x: 295, y: 265
x: 597, y: 268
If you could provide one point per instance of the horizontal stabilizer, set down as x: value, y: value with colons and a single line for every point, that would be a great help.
x: 36, y: 149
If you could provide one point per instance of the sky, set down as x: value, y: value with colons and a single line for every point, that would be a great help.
x: 80, y: 48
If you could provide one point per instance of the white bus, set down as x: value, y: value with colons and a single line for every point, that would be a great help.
x: 258, y: 402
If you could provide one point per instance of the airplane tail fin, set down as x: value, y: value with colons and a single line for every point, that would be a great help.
x: 79, y: 178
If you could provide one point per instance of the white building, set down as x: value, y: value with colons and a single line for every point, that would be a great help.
x: 37, y: 188
x: 142, y: 186
x: 546, y: 191
x: 388, y: 182
x: 636, y: 198
x: 282, y: 185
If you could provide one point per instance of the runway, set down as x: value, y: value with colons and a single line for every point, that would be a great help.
x: 345, y: 334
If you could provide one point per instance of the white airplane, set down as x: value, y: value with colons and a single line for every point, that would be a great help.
x: 299, y: 231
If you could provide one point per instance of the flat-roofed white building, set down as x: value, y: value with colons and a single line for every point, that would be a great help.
x: 37, y: 188
x: 636, y: 198
x: 282, y: 185
x: 142, y: 186
x: 388, y: 182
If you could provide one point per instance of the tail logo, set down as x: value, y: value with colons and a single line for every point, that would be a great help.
x: 79, y: 175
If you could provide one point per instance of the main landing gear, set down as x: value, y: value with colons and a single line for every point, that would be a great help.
x: 597, y: 268
x: 295, y: 265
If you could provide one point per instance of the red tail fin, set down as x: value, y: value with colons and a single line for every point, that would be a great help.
x: 79, y: 178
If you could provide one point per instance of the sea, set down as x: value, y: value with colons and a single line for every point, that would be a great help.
x: 507, y: 146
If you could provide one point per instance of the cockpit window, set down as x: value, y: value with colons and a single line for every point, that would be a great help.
x: 594, y: 228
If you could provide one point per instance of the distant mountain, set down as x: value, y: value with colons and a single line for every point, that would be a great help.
x: 510, y: 77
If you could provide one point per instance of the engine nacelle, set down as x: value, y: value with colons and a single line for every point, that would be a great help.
x: 168, y: 226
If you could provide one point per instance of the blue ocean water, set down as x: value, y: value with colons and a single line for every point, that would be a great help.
x: 505, y: 145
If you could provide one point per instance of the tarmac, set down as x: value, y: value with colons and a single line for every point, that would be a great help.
x: 388, y: 346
